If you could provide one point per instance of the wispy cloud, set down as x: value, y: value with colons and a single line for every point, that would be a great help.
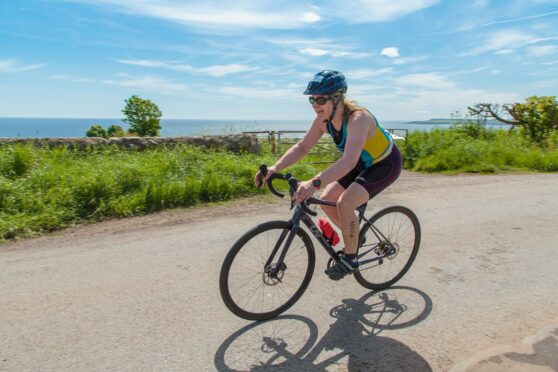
x: 252, y: 92
x: 147, y: 83
x: 504, y: 42
x: 521, y: 19
x: 314, y: 52
x: 368, y: 73
x: 221, y: 70
x: 72, y: 79
x: 288, y: 14
x: 210, y: 14
x: 363, y: 11
x: 542, y: 50
x: 12, y: 65
x: 319, y: 47
x: 216, y: 71
x: 176, y: 66
x: 429, y: 81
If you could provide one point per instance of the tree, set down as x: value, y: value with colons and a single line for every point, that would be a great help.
x: 116, y: 131
x: 143, y: 116
x: 537, y: 117
x: 96, y: 131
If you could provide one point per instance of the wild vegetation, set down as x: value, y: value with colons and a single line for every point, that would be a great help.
x: 42, y: 189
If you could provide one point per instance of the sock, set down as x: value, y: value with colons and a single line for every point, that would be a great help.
x: 351, y: 257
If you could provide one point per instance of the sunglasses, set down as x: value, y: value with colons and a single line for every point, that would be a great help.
x: 319, y: 100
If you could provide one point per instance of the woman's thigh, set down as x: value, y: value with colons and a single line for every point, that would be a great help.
x: 353, y: 197
x: 332, y: 192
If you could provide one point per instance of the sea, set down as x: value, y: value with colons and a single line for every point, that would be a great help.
x: 68, y: 128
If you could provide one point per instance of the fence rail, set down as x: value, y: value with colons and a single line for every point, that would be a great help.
x: 278, y: 141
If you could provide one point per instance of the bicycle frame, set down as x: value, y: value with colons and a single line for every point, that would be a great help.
x: 300, y: 215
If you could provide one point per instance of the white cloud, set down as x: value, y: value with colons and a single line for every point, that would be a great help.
x: 314, y: 52
x: 311, y: 17
x: 430, y: 81
x: 219, y: 14
x: 542, y: 50
x: 364, y: 74
x: 148, y: 83
x: 163, y: 64
x: 69, y: 78
x: 402, y: 61
x: 519, y: 19
x: 222, y: 70
x: 12, y: 65
x: 470, y: 71
x: 502, y: 42
x: 287, y: 14
x: 391, y: 52
x: 361, y: 11
x: 217, y: 70
x: 451, y: 100
x: 260, y: 93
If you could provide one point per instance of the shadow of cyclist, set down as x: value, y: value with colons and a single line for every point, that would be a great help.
x: 352, y: 340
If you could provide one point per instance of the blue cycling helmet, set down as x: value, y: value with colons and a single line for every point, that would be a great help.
x: 326, y: 82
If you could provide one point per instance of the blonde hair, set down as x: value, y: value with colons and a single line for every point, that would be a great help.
x: 351, y: 105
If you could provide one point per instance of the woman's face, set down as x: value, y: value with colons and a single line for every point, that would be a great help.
x: 322, y: 111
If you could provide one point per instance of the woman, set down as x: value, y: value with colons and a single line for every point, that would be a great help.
x: 370, y: 163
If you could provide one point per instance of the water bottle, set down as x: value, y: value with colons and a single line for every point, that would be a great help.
x: 328, y: 231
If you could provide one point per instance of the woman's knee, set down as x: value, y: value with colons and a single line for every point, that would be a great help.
x: 331, y: 193
x: 350, y: 200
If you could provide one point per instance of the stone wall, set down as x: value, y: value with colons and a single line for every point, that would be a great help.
x: 235, y: 143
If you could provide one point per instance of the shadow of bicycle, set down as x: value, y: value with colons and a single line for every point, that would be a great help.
x: 353, y: 341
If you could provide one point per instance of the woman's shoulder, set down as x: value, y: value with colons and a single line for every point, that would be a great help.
x: 362, y: 115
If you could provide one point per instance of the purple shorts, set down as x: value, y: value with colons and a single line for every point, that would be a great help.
x: 377, y: 177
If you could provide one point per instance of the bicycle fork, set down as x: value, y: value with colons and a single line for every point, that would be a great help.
x: 298, y: 216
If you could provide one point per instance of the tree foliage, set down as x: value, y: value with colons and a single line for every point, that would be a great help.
x: 96, y: 130
x: 537, y: 116
x: 143, y: 116
x: 116, y: 131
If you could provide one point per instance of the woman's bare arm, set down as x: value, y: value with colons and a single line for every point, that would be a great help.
x: 302, y: 147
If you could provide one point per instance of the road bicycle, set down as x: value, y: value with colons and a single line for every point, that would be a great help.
x: 268, y: 269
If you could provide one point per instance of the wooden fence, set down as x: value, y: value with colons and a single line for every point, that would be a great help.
x: 281, y: 140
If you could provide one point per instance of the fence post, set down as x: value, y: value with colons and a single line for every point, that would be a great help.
x: 272, y: 141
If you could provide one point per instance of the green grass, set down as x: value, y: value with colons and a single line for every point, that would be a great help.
x: 475, y: 149
x: 42, y: 190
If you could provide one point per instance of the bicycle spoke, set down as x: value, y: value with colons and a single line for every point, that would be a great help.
x: 255, y: 289
x: 394, y: 251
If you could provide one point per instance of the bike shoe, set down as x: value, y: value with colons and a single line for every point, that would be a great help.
x: 340, y: 269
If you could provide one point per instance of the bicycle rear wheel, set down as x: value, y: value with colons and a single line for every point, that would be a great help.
x: 388, y: 246
x: 247, y: 285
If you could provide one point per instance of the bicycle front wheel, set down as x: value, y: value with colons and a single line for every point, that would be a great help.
x: 388, y: 246
x: 254, y: 287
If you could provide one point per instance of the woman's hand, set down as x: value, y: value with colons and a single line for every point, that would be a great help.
x: 304, y: 191
x: 260, y: 180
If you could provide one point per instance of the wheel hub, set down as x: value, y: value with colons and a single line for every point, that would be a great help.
x: 270, y: 279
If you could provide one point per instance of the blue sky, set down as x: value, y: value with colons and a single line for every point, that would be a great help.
x: 407, y: 59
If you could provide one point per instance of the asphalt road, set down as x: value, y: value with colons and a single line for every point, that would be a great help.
x: 142, y: 293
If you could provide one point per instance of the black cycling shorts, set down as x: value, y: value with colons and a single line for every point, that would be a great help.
x: 377, y: 177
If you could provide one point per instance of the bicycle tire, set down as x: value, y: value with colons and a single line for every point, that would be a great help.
x: 413, y: 219
x: 243, y: 242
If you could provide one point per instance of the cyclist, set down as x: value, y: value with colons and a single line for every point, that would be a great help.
x: 370, y: 162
